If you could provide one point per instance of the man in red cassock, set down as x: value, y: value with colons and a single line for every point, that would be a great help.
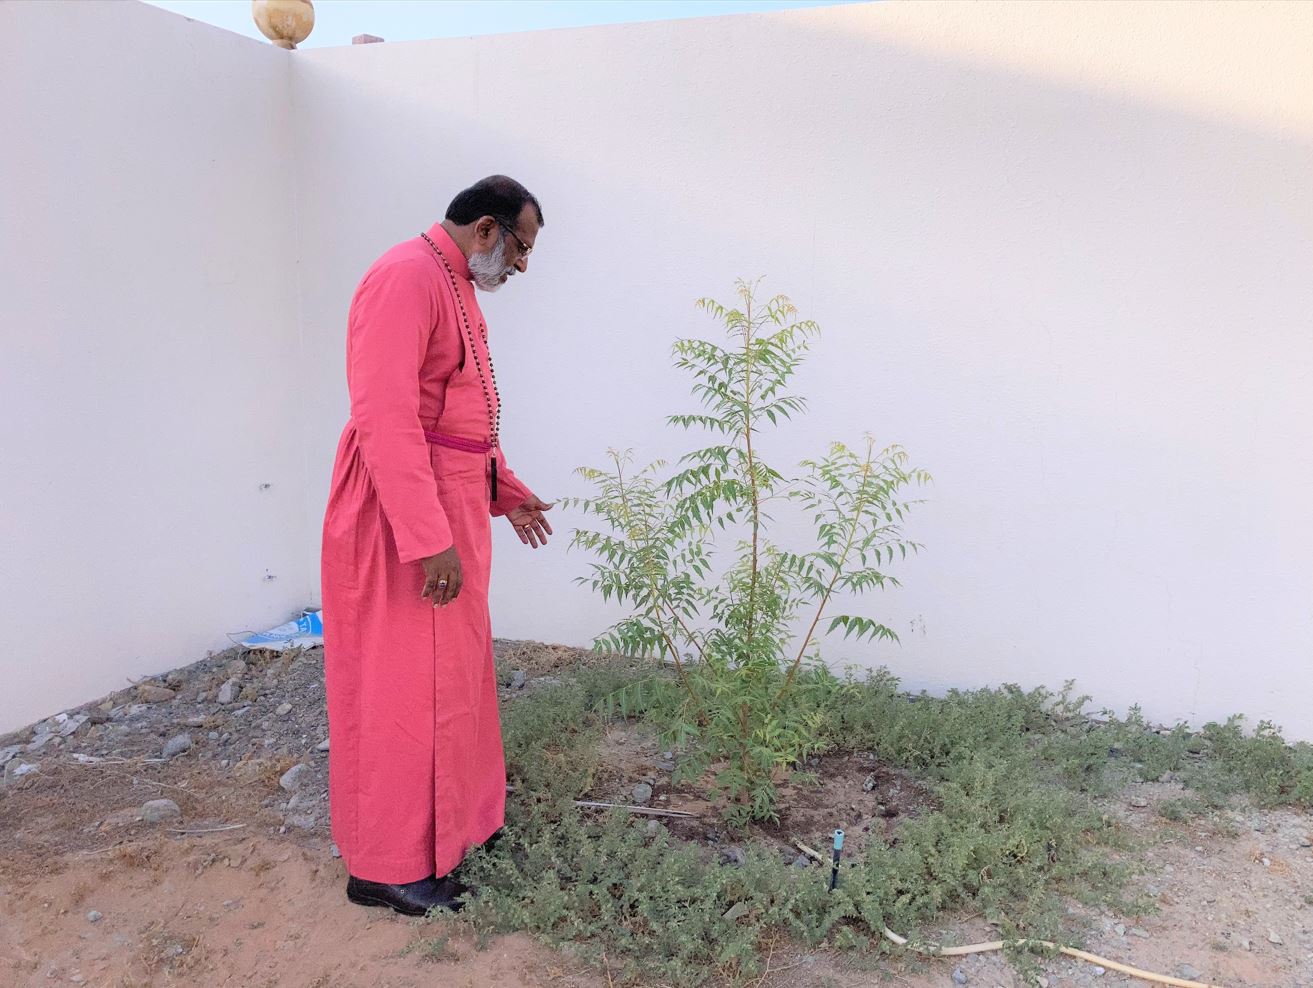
x: 416, y: 771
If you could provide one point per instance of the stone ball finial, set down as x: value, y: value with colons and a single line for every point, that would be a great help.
x: 284, y: 22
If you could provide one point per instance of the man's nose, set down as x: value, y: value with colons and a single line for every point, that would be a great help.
x: 522, y: 265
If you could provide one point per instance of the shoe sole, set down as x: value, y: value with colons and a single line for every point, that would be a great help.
x: 367, y: 900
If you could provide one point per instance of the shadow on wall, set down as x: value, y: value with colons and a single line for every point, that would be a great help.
x: 1080, y: 311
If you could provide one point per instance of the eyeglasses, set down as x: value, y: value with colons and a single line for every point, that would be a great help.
x: 525, y: 249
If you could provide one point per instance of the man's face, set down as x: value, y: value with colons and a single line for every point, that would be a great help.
x: 501, y: 249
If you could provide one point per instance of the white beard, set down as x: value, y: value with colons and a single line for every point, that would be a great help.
x: 490, y: 270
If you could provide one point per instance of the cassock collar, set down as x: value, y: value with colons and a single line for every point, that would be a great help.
x: 450, y: 250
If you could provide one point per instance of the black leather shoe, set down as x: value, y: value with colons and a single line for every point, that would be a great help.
x: 410, y: 898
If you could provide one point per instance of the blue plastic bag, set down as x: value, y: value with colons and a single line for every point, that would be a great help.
x: 307, y: 631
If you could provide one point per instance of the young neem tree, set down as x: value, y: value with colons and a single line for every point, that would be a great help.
x: 748, y: 692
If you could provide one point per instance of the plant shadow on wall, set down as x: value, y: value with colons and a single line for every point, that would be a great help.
x: 749, y: 695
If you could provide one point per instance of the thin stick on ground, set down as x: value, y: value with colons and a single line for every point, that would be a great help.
x: 644, y: 810
x: 163, y: 785
x: 210, y: 830
x: 766, y: 973
x: 814, y: 855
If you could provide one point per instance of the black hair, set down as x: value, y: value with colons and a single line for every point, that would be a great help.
x: 498, y: 196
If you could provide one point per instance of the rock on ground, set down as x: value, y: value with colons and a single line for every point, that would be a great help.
x: 293, y: 777
x: 176, y: 745
x: 159, y: 810
x: 151, y: 693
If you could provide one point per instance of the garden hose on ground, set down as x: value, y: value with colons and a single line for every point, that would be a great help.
x: 981, y: 948
x: 992, y: 945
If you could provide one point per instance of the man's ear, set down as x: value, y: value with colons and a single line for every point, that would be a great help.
x: 483, y: 229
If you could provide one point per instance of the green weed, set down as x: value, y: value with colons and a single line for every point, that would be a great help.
x: 1015, y: 830
x: 1006, y: 840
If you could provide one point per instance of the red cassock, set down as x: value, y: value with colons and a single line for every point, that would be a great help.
x: 416, y: 770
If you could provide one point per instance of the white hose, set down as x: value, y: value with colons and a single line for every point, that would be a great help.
x: 981, y: 948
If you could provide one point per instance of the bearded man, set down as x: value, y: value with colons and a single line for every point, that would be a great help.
x: 416, y: 770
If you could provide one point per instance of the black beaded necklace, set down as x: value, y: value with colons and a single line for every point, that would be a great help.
x: 494, y: 413
x: 494, y: 416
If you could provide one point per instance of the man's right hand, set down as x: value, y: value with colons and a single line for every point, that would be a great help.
x: 442, y: 577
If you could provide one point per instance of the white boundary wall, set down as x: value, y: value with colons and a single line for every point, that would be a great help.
x: 1060, y: 252
x: 149, y: 348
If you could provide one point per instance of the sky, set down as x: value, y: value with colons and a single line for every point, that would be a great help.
x: 338, y: 21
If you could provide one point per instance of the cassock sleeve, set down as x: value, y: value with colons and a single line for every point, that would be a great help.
x: 511, y: 492
x: 392, y: 317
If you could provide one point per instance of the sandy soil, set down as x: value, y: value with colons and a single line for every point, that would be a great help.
x: 241, y: 886
x: 222, y: 910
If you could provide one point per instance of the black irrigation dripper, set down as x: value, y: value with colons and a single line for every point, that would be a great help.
x: 834, y: 868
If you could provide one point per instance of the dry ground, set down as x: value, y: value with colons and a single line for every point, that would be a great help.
x: 242, y: 887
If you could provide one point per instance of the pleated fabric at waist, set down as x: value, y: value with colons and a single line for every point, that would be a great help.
x: 458, y: 442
